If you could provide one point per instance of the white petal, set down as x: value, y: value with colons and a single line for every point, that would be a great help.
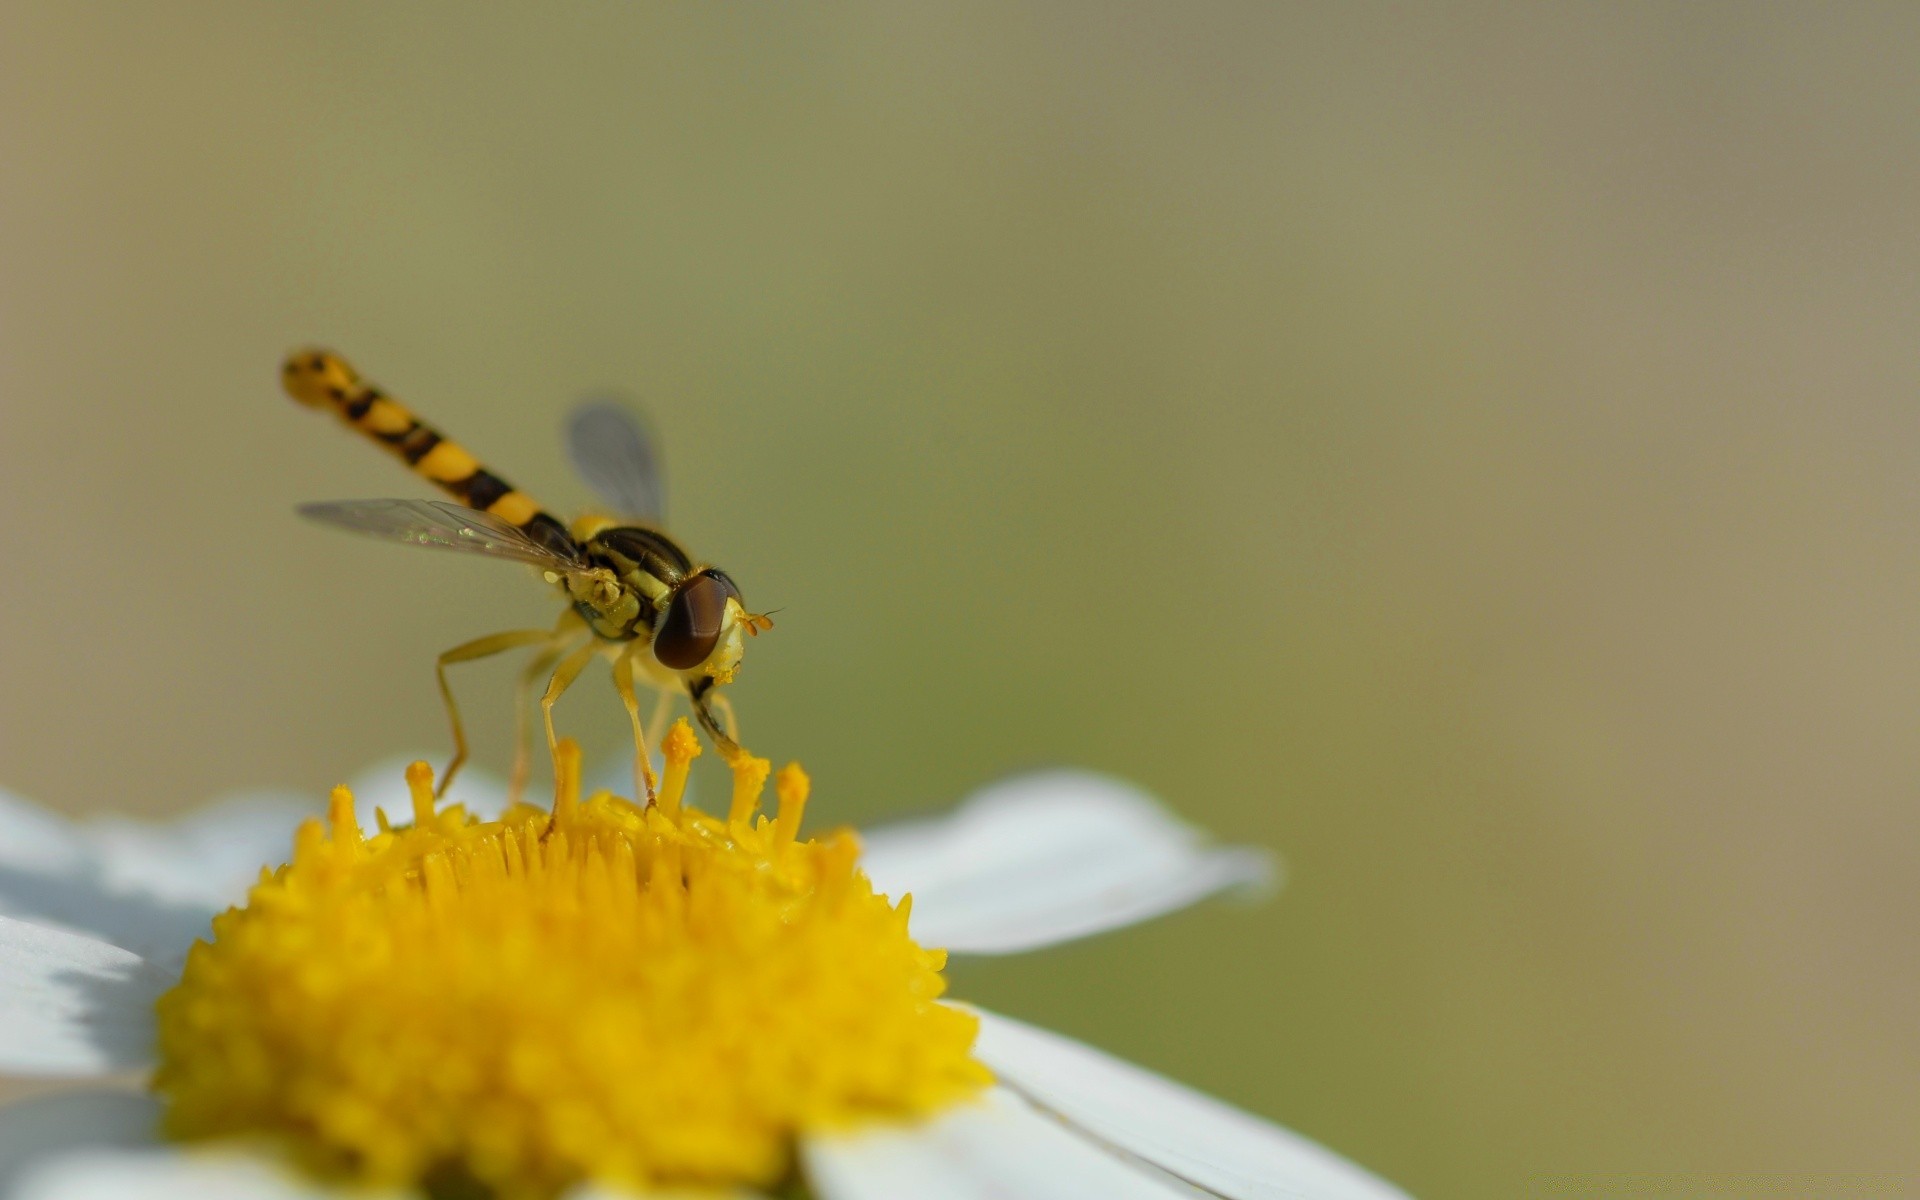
x: 32, y: 837
x: 997, y: 1149
x: 106, y: 878
x: 1049, y: 857
x: 138, y: 924
x: 173, y: 1174
x: 206, y: 859
x: 211, y: 856
x: 49, y: 873
x: 83, y: 1145
x: 153, y: 886
x: 43, y: 1128
x: 1188, y: 1133
x: 72, y: 1006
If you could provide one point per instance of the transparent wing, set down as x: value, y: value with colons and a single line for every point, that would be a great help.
x: 611, y: 450
x: 441, y: 526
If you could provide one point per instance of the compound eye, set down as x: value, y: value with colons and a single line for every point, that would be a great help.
x: 724, y: 580
x: 687, y: 636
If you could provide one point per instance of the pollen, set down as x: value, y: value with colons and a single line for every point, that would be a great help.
x: 640, y: 995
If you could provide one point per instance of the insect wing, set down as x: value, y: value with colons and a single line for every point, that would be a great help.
x: 441, y: 526
x: 610, y: 448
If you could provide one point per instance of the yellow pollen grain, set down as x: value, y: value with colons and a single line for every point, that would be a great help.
x: 604, y: 991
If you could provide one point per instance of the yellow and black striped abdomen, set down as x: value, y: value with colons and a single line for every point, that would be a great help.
x: 321, y: 379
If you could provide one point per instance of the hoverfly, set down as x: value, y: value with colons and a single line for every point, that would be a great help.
x: 633, y: 595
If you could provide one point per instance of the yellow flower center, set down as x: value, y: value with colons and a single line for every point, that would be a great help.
x: 606, y: 991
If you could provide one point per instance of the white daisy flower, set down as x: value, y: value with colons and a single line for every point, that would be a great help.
x: 600, y: 1000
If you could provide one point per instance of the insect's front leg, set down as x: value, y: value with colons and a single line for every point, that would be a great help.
x: 702, y: 696
x: 723, y: 705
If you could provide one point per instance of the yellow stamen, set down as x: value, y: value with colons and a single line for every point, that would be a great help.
x: 679, y: 751
x: 420, y: 790
x: 346, y: 830
x: 636, y: 995
x: 792, y: 786
x: 749, y: 778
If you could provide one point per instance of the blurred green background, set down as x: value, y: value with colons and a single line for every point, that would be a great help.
x: 1470, y: 451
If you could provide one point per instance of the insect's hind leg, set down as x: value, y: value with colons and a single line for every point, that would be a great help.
x: 486, y: 647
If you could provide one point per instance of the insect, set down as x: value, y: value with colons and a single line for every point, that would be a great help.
x: 633, y: 595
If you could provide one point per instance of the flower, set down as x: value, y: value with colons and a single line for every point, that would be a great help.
x: 860, y: 1080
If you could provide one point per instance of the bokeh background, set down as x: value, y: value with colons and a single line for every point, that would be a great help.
x: 1472, y: 451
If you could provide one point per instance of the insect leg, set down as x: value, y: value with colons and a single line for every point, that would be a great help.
x: 698, y: 694
x: 484, y: 647
x: 563, y: 677
x: 642, y: 758
x: 569, y: 626
x: 725, y: 708
x: 523, y: 717
x: 657, y: 723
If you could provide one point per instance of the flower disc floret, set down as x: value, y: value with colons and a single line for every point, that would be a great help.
x: 604, y: 991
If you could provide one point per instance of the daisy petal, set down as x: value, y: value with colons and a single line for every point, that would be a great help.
x: 1190, y: 1135
x: 153, y: 886
x: 999, y: 1149
x: 169, y: 1174
x: 74, y: 1006
x: 32, y: 838
x: 205, y: 859
x: 44, y: 1128
x: 47, y: 872
x: 144, y: 886
x: 81, y: 902
x: 208, y: 858
x: 1049, y: 857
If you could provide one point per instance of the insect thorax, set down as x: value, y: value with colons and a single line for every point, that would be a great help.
x: 645, y: 565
